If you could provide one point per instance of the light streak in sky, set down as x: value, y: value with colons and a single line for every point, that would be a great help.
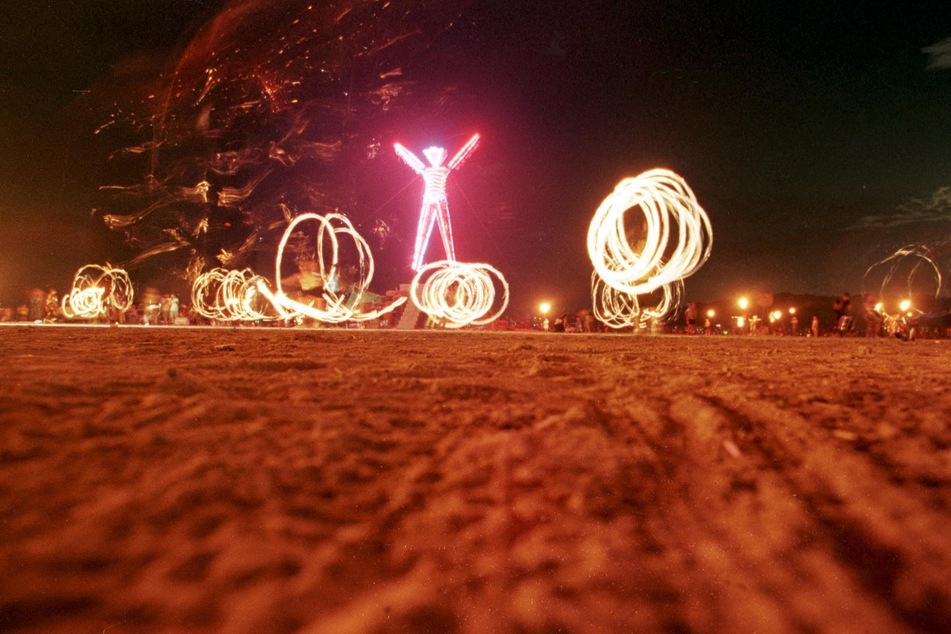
x: 435, y: 209
x: 935, y: 208
x: 268, y: 104
x: 95, y: 290
x: 670, y: 242
x: 338, y: 307
x: 940, y: 54
x: 458, y: 294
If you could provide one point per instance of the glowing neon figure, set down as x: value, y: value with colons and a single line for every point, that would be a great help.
x: 435, y: 207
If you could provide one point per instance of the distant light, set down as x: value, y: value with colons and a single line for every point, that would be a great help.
x: 544, y: 307
x: 711, y: 313
x: 792, y: 311
x: 905, y: 305
x: 743, y: 303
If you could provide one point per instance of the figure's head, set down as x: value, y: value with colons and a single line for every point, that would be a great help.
x: 435, y: 155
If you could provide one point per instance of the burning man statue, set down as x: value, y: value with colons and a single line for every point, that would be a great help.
x: 435, y: 206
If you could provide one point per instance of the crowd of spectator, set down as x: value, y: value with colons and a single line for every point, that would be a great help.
x: 154, y: 308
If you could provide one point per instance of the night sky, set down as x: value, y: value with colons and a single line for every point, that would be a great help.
x: 817, y: 139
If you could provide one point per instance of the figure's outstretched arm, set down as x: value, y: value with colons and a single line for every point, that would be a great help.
x: 464, y: 152
x: 409, y: 158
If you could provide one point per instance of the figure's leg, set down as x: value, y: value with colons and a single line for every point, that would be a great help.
x: 427, y: 218
x: 445, y: 230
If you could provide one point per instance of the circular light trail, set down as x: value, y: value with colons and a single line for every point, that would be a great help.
x: 95, y: 290
x: 676, y: 241
x: 242, y: 295
x: 911, y: 271
x: 673, y: 244
x: 458, y: 294
x: 612, y: 307
x: 225, y: 295
x: 617, y: 309
x: 338, y: 307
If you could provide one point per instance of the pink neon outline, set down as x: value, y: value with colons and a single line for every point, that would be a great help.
x: 464, y: 152
x: 435, y: 208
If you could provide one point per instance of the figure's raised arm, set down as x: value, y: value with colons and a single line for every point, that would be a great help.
x: 464, y: 152
x: 409, y: 158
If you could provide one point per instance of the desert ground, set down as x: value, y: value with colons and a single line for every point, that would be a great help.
x: 332, y: 480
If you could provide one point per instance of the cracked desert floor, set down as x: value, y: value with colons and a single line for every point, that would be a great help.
x: 264, y: 480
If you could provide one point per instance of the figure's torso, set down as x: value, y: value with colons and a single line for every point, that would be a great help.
x: 435, y: 179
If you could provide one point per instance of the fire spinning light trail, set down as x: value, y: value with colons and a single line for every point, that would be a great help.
x: 674, y: 243
x: 226, y: 295
x: 617, y: 309
x: 458, y: 294
x: 435, y: 207
x: 911, y: 270
x: 95, y: 289
x: 339, y: 307
x: 668, y: 205
x: 270, y: 108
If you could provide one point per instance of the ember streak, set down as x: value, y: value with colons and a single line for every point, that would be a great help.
x: 266, y: 113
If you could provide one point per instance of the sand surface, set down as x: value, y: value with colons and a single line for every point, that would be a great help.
x: 252, y: 480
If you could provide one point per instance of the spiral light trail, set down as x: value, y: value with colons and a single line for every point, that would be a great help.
x: 242, y: 295
x: 95, y: 290
x: 612, y: 307
x: 676, y: 241
x: 669, y: 206
x: 617, y: 309
x: 911, y: 270
x: 338, y: 308
x: 225, y: 295
x: 458, y: 294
